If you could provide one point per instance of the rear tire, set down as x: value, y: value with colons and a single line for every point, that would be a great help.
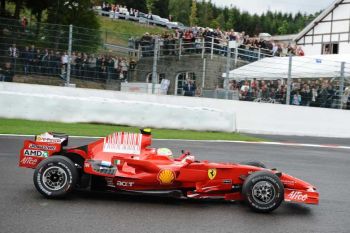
x: 55, y: 177
x: 263, y: 191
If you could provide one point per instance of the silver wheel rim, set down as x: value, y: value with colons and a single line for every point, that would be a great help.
x: 54, y: 178
x: 263, y: 192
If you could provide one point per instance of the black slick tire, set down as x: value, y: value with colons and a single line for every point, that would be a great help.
x: 254, y: 163
x: 263, y: 191
x: 55, y: 177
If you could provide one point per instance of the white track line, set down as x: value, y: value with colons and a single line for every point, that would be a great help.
x: 221, y: 141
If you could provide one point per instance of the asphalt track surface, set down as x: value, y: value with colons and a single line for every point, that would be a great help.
x: 23, y: 209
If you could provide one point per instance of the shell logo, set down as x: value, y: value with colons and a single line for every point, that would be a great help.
x: 166, y: 176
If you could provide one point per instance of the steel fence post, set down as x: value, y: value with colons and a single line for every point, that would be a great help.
x: 180, y: 48
x: 341, y: 84
x: 236, y: 56
x: 203, y: 74
x: 203, y: 47
x: 228, y: 55
x: 289, y: 80
x: 154, y: 70
x: 69, y: 55
x: 212, y: 48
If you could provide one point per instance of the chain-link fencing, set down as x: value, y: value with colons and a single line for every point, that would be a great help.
x: 163, y: 64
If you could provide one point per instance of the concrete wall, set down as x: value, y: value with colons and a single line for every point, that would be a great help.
x: 38, y: 102
x: 82, y: 105
x: 172, y: 65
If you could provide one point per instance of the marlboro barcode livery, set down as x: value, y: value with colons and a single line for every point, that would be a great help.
x: 125, y: 162
x: 127, y: 143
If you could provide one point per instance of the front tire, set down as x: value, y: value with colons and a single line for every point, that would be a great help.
x: 263, y: 191
x: 55, y: 177
x: 254, y: 163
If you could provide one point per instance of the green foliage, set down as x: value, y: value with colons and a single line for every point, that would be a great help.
x: 80, y: 16
x: 283, y: 29
x: 226, y: 18
x: 149, y: 4
x: 161, y: 8
x: 193, y: 16
x: 180, y: 10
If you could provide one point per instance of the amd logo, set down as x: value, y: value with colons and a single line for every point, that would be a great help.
x: 38, y: 153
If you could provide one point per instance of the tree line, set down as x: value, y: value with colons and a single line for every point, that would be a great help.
x: 206, y: 14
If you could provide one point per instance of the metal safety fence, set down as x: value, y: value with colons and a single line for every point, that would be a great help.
x: 204, y: 66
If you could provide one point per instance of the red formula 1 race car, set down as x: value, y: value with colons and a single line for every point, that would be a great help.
x: 124, y: 162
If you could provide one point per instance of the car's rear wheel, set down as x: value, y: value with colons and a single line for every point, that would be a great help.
x: 55, y: 177
x: 263, y: 191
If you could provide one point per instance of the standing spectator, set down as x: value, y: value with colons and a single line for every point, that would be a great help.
x: 26, y: 60
x: 13, y: 53
x: 110, y: 68
x: 306, y: 95
x: 296, y: 98
x: 189, y: 88
x: 64, y: 63
x: 6, y: 73
x: 92, y: 66
x: 45, y: 62
x: 78, y: 64
x: 37, y: 62
x: 299, y: 51
x: 322, y: 96
x: 314, y: 93
x: 32, y: 55
x: 116, y: 67
x: 124, y: 69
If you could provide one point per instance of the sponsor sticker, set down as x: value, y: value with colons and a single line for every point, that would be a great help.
x: 227, y: 181
x: 212, y: 173
x: 125, y: 183
x: 126, y: 143
x: 38, y: 153
x: 166, y: 176
x: 29, y: 161
x: 297, y: 196
x: 52, y: 140
x: 42, y: 147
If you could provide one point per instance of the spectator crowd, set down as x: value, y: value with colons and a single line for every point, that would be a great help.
x: 251, y: 48
x: 317, y: 93
x: 33, y: 60
x: 192, y: 39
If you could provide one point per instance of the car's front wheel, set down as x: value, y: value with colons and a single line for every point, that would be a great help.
x: 55, y: 177
x: 263, y: 191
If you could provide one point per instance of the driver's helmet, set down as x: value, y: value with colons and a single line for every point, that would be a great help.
x: 165, y: 152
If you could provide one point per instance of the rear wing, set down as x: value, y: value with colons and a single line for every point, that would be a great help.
x: 43, y: 146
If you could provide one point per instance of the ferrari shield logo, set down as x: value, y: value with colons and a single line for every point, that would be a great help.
x: 212, y: 173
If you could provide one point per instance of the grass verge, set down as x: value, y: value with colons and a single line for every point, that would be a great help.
x: 119, y: 31
x: 17, y: 126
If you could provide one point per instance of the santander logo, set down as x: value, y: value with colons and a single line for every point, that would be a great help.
x: 29, y: 161
x: 297, y: 196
